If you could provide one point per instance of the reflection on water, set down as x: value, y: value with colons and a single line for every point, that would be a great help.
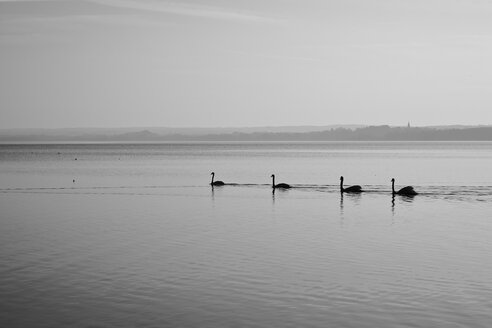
x: 353, y: 198
x: 314, y: 264
x: 341, y: 204
x: 401, y: 198
x: 459, y: 193
x: 146, y: 241
x: 212, y: 188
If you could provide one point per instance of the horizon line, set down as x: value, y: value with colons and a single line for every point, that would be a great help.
x: 239, y: 127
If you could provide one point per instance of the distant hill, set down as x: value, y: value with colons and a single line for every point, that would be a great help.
x: 334, y: 133
x: 65, y: 132
x: 145, y: 133
x: 371, y: 133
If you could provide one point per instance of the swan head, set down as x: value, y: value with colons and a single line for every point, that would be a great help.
x: 213, y: 173
x: 341, y: 178
x: 392, y: 179
x: 272, y: 176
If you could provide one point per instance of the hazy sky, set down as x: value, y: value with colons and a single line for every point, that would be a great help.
x: 114, y: 63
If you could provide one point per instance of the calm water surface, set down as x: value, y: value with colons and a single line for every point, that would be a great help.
x: 141, y: 240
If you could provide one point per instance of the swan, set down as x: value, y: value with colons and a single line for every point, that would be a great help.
x: 280, y: 185
x: 351, y: 189
x: 216, y: 183
x: 405, y: 191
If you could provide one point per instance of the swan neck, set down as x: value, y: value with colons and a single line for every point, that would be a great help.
x: 212, y: 178
x: 273, y: 181
x: 393, y: 186
x: 341, y: 184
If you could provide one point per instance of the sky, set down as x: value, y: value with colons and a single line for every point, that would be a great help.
x: 223, y: 63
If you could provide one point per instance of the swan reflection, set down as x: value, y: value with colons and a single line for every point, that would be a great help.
x: 401, y: 198
x: 212, y: 193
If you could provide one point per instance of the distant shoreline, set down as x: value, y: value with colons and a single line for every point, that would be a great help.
x: 82, y: 143
x: 369, y: 133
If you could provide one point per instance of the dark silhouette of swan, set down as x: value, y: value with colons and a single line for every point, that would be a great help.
x: 216, y: 183
x: 351, y: 189
x: 405, y: 191
x: 280, y: 185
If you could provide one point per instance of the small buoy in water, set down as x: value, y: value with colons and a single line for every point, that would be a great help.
x: 75, y: 158
x: 73, y: 180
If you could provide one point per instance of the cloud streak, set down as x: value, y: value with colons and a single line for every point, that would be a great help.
x: 202, y: 11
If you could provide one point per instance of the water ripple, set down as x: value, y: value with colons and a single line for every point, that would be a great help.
x: 456, y: 193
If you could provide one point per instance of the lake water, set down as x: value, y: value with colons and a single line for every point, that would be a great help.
x: 141, y: 240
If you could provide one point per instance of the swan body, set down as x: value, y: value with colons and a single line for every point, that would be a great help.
x: 216, y: 183
x: 280, y: 185
x: 351, y: 189
x: 405, y: 191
